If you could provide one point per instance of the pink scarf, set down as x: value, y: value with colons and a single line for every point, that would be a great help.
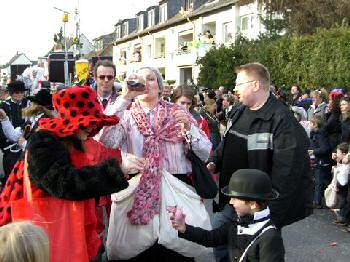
x: 147, y: 198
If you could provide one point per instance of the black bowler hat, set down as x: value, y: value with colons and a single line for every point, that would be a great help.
x: 16, y: 86
x: 251, y: 184
x: 42, y: 98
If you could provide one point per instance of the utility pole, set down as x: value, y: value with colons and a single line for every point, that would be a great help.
x: 65, y: 20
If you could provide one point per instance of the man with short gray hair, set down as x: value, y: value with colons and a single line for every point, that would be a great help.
x: 263, y: 134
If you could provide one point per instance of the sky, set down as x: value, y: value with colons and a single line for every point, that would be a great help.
x: 28, y: 26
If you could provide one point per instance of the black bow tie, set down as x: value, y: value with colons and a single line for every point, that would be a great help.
x: 104, y: 103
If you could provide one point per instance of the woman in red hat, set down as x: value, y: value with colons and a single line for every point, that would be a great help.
x: 63, y: 161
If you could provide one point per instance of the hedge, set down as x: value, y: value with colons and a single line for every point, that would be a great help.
x: 312, y: 61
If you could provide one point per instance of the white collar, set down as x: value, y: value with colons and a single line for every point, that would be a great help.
x: 261, y: 214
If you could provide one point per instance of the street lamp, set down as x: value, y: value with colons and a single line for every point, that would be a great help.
x: 65, y: 20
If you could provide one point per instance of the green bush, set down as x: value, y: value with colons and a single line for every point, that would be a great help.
x: 312, y: 61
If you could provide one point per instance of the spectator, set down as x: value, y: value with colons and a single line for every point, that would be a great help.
x: 321, y: 151
x: 296, y: 95
x: 185, y: 96
x: 249, y: 191
x: 13, y: 107
x: 263, y: 134
x: 341, y: 171
x: 105, y: 75
x: 208, y: 112
x: 333, y: 123
x: 24, y: 242
x: 319, y: 105
x: 306, y: 100
x: 301, y: 115
x: 345, y: 119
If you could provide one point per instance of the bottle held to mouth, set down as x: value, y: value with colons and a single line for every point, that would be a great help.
x: 136, y: 82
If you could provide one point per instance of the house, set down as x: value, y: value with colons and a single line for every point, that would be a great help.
x: 104, y: 42
x: 174, y: 34
x: 17, y: 64
x: 84, y: 47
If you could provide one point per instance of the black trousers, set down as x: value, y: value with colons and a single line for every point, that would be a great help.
x: 8, y: 162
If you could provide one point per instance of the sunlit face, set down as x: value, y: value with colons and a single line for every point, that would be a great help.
x: 313, y: 126
x: 184, y: 101
x: 225, y: 103
x: 104, y: 80
x: 344, y: 106
x: 317, y: 99
x: 340, y: 155
x: 17, y: 96
x: 294, y: 90
x: 152, y: 87
x: 245, y: 88
x: 242, y: 207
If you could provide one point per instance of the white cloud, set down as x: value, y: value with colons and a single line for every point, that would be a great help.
x: 29, y: 26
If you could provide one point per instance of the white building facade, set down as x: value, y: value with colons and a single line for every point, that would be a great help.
x: 174, y: 44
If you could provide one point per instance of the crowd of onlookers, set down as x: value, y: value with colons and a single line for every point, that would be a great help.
x: 324, y: 115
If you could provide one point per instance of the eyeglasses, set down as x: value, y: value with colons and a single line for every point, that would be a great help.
x: 239, y: 84
x: 103, y: 77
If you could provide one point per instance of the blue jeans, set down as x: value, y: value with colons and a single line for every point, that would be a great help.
x: 226, y: 215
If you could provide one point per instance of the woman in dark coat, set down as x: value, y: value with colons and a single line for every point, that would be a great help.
x: 345, y: 119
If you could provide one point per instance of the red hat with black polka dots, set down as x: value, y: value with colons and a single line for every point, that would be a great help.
x: 78, y: 108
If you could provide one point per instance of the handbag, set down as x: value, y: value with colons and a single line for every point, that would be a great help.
x: 63, y: 221
x: 331, y: 196
x: 203, y: 182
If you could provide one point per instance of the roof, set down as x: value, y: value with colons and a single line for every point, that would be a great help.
x: 178, y: 19
x: 105, y: 37
x: 13, y: 59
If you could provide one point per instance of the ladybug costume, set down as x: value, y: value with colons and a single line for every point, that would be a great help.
x: 62, y: 166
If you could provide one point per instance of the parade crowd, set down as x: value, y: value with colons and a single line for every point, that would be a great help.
x: 94, y: 173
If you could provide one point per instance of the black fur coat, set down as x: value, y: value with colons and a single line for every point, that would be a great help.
x: 51, y: 169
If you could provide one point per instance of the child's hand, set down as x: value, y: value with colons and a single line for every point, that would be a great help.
x: 334, y: 156
x: 177, y: 219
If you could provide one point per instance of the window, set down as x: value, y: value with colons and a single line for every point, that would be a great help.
x: 117, y: 32
x: 244, y: 23
x: 125, y: 29
x: 227, y: 35
x: 151, y: 18
x: 163, y: 13
x: 122, y: 59
x: 140, y: 23
x: 188, y: 5
x: 148, y: 51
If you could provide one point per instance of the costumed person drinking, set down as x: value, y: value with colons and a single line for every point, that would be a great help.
x: 67, y: 169
x: 154, y: 132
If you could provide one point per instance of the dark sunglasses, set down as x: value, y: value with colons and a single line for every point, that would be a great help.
x: 103, y: 77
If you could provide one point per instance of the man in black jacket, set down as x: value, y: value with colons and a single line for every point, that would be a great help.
x: 263, y: 134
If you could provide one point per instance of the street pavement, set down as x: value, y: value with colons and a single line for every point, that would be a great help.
x: 314, y: 239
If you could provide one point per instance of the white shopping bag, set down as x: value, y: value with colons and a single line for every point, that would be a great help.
x: 177, y: 193
x: 124, y: 240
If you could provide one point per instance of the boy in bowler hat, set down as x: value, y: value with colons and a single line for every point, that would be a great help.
x: 253, y: 237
